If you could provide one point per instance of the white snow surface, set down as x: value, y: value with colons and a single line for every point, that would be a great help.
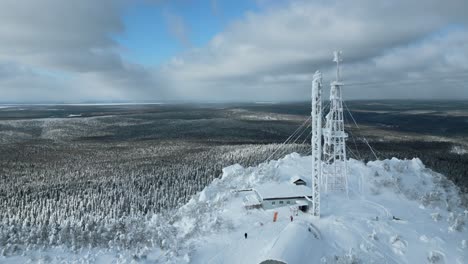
x: 459, y: 150
x: 355, y: 229
x: 358, y: 228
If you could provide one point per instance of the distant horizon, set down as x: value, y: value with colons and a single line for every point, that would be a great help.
x: 169, y: 102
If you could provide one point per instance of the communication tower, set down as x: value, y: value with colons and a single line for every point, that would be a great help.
x: 316, y: 141
x: 334, y: 169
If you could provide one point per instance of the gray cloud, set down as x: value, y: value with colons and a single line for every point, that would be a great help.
x: 57, y: 50
x: 61, y: 50
x: 20, y: 83
x: 35, y: 31
x: 269, y: 55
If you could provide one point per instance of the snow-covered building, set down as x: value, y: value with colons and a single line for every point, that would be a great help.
x: 273, y: 195
x: 298, y: 180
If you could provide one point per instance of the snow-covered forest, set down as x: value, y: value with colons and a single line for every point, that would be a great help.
x: 77, y: 202
x: 60, y: 189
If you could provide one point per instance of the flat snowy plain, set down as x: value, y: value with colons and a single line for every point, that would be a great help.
x: 356, y: 228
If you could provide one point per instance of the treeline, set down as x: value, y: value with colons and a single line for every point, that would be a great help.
x: 86, y: 195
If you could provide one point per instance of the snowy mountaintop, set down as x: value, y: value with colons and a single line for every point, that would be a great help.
x: 362, y: 228
x: 397, y: 211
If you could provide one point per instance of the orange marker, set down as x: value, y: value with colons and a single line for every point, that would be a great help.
x: 275, y: 216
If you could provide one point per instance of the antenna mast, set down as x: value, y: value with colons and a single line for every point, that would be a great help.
x: 334, y: 148
x: 316, y: 141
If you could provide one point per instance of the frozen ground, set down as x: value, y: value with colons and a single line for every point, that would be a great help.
x: 397, y: 211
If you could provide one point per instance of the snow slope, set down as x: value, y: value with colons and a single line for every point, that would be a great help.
x: 358, y: 228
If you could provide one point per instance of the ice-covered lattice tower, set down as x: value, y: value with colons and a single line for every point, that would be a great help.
x: 316, y: 141
x: 334, y: 170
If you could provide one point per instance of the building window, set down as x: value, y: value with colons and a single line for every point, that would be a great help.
x: 281, y: 202
x: 287, y: 202
x: 273, y: 202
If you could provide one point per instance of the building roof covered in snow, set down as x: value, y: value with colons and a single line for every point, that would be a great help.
x: 271, y: 191
x: 251, y: 200
x: 299, y: 242
x: 297, y: 180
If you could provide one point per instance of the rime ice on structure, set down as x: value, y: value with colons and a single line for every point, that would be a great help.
x: 316, y: 141
x: 334, y: 170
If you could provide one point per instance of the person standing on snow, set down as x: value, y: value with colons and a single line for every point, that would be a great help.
x: 245, y: 235
x: 292, y: 218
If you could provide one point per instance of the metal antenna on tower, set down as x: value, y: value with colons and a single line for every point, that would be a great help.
x: 337, y: 58
x: 316, y: 141
x: 334, y: 148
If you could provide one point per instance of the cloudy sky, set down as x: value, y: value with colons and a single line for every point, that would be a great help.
x: 222, y: 50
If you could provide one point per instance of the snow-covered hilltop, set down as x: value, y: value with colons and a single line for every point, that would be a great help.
x: 398, y: 211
